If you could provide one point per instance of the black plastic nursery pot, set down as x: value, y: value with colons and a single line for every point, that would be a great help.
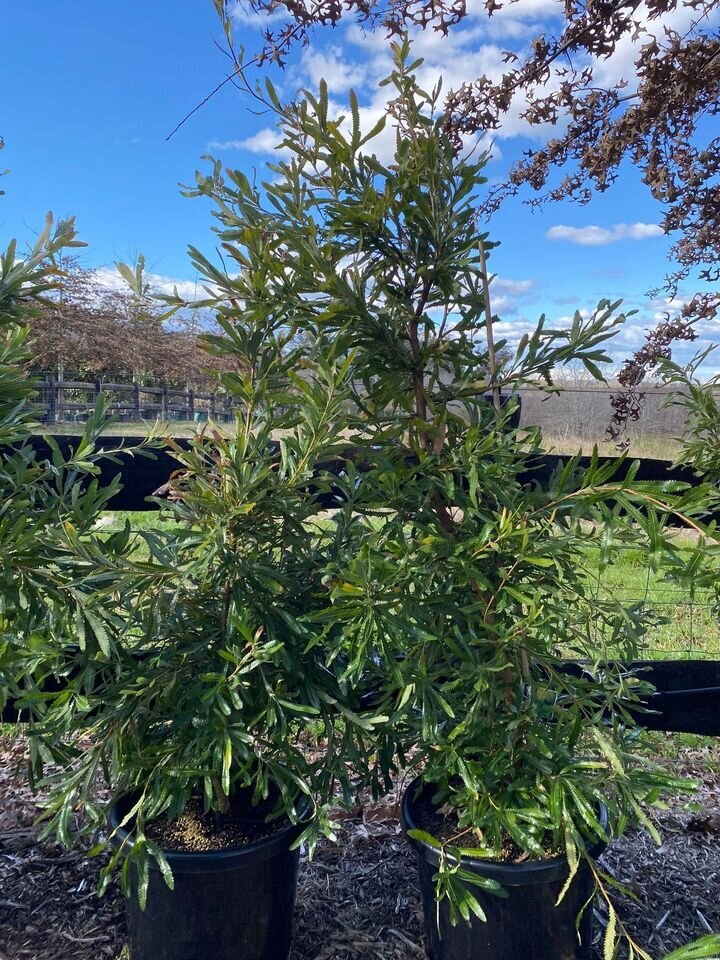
x: 524, y: 926
x: 234, y: 904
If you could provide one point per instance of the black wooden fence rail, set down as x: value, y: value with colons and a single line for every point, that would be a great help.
x: 141, y: 476
x: 687, y: 697
x: 73, y: 400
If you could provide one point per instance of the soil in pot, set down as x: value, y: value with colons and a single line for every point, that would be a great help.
x: 197, y: 830
x: 234, y: 888
x: 524, y: 926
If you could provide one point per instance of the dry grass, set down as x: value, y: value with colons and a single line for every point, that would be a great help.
x: 642, y: 446
x: 136, y: 428
x: 558, y: 440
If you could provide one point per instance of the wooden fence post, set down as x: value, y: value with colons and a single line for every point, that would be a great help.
x: 60, y: 391
x: 51, y: 415
x: 191, y: 403
x: 164, y: 402
x: 136, y: 400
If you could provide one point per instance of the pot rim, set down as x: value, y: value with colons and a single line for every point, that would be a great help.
x: 507, y: 874
x: 213, y: 861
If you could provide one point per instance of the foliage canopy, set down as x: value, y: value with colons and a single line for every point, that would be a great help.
x: 427, y: 616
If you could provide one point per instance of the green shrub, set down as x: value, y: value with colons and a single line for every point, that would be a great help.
x: 355, y: 305
x: 45, y: 504
x: 462, y: 590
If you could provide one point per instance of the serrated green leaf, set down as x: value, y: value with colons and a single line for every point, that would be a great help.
x: 610, y: 935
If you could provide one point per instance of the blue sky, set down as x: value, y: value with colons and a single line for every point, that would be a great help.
x: 91, y: 91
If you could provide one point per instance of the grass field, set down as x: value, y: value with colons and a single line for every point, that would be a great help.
x: 648, y: 445
x: 643, y: 446
x: 687, y: 627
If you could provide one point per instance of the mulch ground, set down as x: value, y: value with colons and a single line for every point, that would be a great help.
x: 357, y: 899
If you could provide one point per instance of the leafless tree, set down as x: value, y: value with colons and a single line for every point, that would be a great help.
x: 91, y: 329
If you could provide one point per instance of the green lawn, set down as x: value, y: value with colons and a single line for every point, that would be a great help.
x: 138, y: 519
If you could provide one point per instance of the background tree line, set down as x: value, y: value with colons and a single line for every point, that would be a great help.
x: 91, y: 330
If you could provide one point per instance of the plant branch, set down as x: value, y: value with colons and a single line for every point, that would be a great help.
x: 492, y: 356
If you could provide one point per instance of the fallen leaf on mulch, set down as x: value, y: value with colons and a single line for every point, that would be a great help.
x: 709, y: 824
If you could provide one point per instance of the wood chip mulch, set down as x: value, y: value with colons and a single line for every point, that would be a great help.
x: 358, y: 899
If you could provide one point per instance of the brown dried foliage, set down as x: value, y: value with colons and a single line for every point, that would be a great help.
x: 660, y: 116
x: 90, y: 330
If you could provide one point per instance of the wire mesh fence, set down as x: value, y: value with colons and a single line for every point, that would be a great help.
x: 685, y: 620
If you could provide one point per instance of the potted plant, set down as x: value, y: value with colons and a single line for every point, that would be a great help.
x: 214, y: 712
x: 462, y: 591
x: 354, y: 297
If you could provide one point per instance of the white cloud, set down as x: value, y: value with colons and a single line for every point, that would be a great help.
x: 226, y: 145
x: 265, y: 141
x: 566, y: 319
x: 628, y: 337
x: 514, y: 329
x: 594, y: 236
x: 190, y: 290
x: 515, y: 20
x: 507, y: 297
x: 662, y: 306
x: 515, y: 287
x: 476, y: 48
x: 442, y: 62
x: 339, y: 74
